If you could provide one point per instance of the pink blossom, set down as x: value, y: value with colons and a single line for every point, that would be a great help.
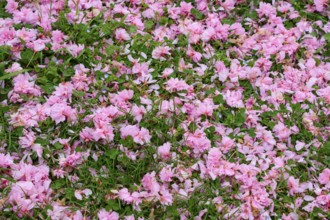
x: 125, y: 95
x: 197, y: 141
x: 266, y: 9
x: 208, y: 34
x: 174, y: 84
x: 160, y: 52
x: 164, y: 151
x: 39, y: 45
x: 234, y: 98
x: 294, y: 186
x: 125, y: 195
x: 167, y: 72
x: 281, y: 131
x: 60, y: 112
x: 324, y: 177
x: 166, y: 198
x: 185, y: 7
x: 320, y: 5
x: 138, y: 112
x: 140, y: 136
x: 75, y: 49
x: 122, y: 35
x: 150, y: 183
x: 166, y: 175
x: 24, y: 84
x: 11, y: 6
x: 14, y: 68
x: 227, y: 144
x: 104, y: 215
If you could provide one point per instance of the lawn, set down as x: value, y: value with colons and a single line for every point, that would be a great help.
x: 160, y: 109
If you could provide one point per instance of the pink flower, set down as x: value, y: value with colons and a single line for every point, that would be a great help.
x: 14, y: 68
x: 194, y: 55
x: 57, y: 36
x: 214, y: 157
x: 150, y: 183
x: 6, y: 160
x: 281, y: 131
x: 166, y: 197
x: 205, y: 108
x: 185, y: 7
x: 78, y: 193
x: 174, y: 84
x: 228, y: 5
x: 208, y: 34
x: 39, y: 45
x: 234, y: 98
x: 320, y: 5
x: 24, y: 84
x: 75, y: 49
x: 125, y: 95
x: 324, y: 177
x: 87, y: 134
x: 227, y: 144
x: 78, y: 216
x: 103, y: 132
x: 11, y: 6
x: 130, y: 217
x: 141, y: 69
x: 166, y: 175
x: 122, y: 35
x: 324, y: 93
x: 160, y: 52
x: 299, y: 145
x: 138, y: 112
x: 197, y: 141
x: 266, y: 9
x: 71, y: 160
x: 143, y: 136
x: 27, y: 142
x: 140, y: 136
x: 60, y: 112
x: 31, y: 189
x: 58, y: 173
x: 294, y: 186
x: 164, y: 151
x: 167, y: 72
x: 129, y: 130
x: 64, y: 91
x: 125, y: 195
x: 104, y: 215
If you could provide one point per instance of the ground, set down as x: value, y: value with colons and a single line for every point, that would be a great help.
x: 145, y: 109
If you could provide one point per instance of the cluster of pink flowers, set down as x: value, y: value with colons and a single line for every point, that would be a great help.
x: 31, y: 188
x: 173, y: 101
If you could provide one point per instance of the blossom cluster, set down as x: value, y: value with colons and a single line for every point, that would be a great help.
x: 159, y: 109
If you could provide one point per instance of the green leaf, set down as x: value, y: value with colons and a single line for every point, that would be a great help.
x: 110, y: 50
x: 327, y: 37
x: 79, y: 93
x: 11, y: 75
x: 240, y: 117
x: 112, y: 153
x: 113, y: 205
x: 325, y: 150
x: 132, y: 29
x: 218, y: 99
x: 197, y: 14
x: 163, y: 20
x: 192, y: 126
x: 149, y: 24
x: 228, y: 21
x: 58, y: 146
